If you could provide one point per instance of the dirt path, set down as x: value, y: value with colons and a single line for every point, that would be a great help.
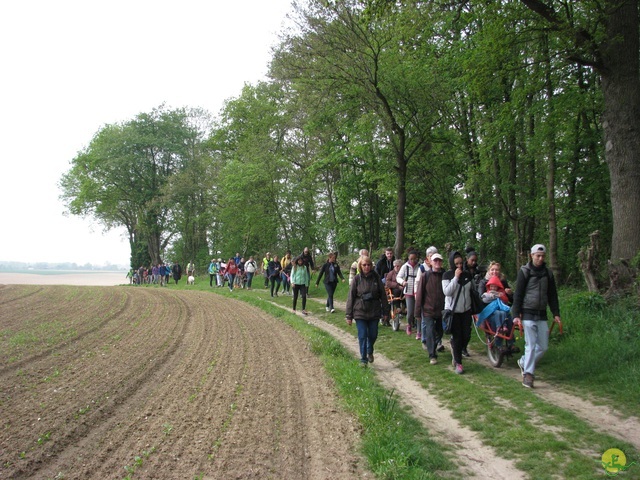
x: 476, y: 459
x: 601, y: 418
x: 162, y: 384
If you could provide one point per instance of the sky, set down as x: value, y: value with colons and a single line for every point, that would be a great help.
x: 68, y: 68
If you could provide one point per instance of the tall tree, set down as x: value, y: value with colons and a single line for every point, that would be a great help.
x: 605, y: 36
x: 120, y: 178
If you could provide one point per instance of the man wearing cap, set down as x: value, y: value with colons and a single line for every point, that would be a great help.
x: 535, y: 290
x: 429, y: 306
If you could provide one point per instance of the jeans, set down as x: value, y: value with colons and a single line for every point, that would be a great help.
x: 232, y: 279
x: 249, y: 279
x: 367, y: 336
x: 460, y: 334
x: 302, y: 289
x: 286, y: 284
x: 431, y: 334
x: 536, y: 343
x: 330, y: 287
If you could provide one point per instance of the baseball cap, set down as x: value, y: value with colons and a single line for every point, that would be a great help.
x: 435, y: 256
x: 538, y: 248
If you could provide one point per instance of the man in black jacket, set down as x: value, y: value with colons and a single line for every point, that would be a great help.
x: 535, y: 290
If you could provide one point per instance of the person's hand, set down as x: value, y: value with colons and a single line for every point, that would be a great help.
x: 385, y: 318
x: 458, y: 272
x: 349, y: 321
x: 342, y: 280
x: 508, y: 291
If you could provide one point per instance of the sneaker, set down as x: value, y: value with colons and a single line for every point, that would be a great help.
x: 418, y: 336
x: 304, y: 312
x: 333, y: 310
x: 408, y: 329
x: 370, y: 357
x: 440, y: 347
x: 459, y: 369
x: 527, y: 380
x: 363, y: 364
x: 424, y: 346
x: 465, y: 353
x: 521, y: 365
x: 433, y: 361
x: 327, y: 308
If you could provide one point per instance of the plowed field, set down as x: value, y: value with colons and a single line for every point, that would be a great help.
x: 110, y: 382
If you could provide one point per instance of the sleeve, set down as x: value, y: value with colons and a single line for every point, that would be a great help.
x: 449, y: 286
x: 321, y: 274
x: 552, y: 295
x: 351, y: 300
x: 400, y: 276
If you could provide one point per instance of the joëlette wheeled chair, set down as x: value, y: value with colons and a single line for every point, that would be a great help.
x: 500, y: 331
x: 398, y: 308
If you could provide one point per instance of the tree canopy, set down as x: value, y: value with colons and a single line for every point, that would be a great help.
x: 491, y: 124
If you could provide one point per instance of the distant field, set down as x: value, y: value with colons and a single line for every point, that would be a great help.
x: 62, y: 277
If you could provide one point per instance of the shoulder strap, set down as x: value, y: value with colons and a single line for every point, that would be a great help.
x: 453, y: 308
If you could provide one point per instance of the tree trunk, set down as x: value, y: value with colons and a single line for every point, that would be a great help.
x: 589, y: 262
x: 398, y: 247
x: 621, y: 89
x: 551, y: 175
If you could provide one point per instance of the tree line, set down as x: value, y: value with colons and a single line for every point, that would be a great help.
x: 495, y: 124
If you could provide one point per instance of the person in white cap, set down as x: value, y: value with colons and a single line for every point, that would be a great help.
x: 535, y: 290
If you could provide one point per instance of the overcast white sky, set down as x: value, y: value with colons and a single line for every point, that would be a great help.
x: 67, y: 68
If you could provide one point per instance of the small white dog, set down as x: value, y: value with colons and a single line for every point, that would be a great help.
x: 191, y: 280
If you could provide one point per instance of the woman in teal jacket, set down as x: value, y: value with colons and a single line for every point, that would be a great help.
x: 299, y: 282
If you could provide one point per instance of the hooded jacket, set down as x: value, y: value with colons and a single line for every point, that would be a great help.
x: 450, y: 286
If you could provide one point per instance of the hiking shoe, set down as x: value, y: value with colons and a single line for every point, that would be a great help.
x: 418, y: 336
x: 433, y: 361
x: 459, y: 369
x: 408, y: 329
x: 440, y: 347
x: 465, y: 353
x: 520, y: 363
x: 370, y: 357
x: 527, y: 380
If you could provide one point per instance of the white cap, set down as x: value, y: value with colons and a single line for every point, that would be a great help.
x: 538, y: 248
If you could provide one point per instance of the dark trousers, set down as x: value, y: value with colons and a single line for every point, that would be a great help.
x: 302, y: 290
x: 460, y: 334
x: 274, y: 281
x: 330, y: 287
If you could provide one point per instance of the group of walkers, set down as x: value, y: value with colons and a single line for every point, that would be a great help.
x: 429, y: 289
x: 155, y: 275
